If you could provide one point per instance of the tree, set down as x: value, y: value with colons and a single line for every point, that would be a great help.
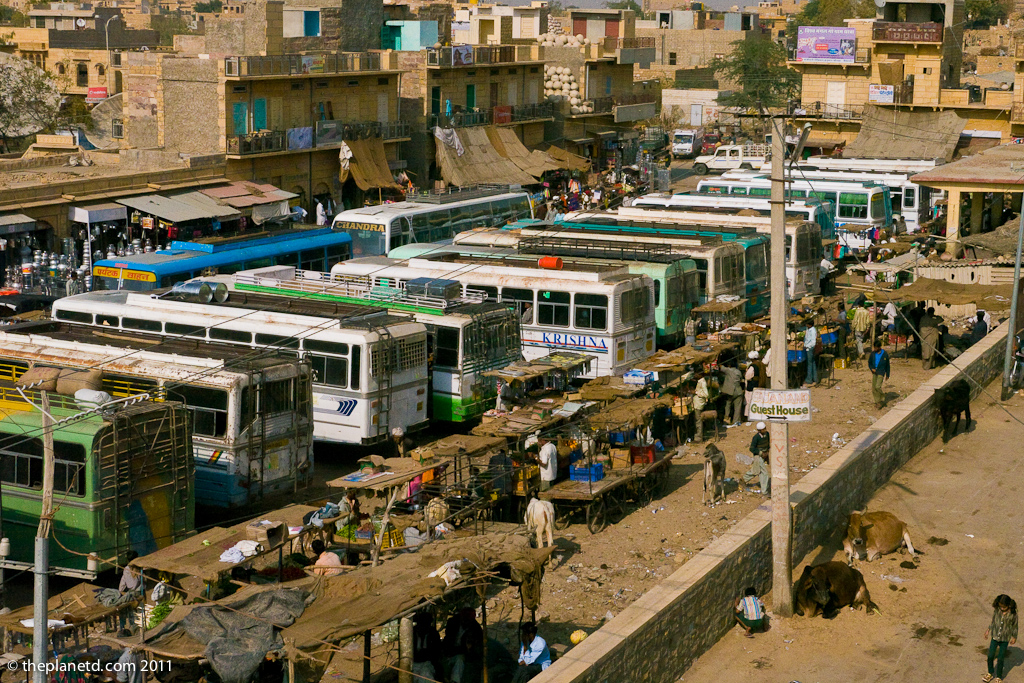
x: 985, y: 13
x: 830, y: 13
x: 12, y: 17
x: 626, y: 4
x: 759, y: 67
x: 30, y: 102
x: 211, y: 7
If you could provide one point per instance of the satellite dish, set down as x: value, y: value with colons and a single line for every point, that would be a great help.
x: 80, y: 23
x: 879, y: 4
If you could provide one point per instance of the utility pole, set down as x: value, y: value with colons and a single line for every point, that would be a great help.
x: 40, y: 634
x: 1011, y: 336
x: 782, y: 516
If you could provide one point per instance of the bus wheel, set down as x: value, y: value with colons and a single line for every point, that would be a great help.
x: 746, y: 167
x: 700, y: 169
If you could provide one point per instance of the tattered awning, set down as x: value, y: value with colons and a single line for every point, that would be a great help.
x: 536, y: 163
x: 367, y: 164
x: 477, y: 163
x: 883, y: 134
x: 993, y: 297
x: 569, y: 161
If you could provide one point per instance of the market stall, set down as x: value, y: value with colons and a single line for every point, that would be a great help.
x: 719, y: 315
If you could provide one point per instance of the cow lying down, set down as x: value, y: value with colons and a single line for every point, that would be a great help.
x: 827, y: 588
x: 874, y: 534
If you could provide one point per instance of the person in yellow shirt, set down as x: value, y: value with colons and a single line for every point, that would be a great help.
x: 862, y: 320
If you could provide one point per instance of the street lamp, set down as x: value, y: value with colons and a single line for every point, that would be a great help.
x: 106, y: 33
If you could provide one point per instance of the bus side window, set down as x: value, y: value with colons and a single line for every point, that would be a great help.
x: 337, y: 254
x: 312, y: 259
x: 421, y: 227
x: 909, y: 198
x: 446, y: 347
x: 520, y: 299
x: 355, y: 366
x: 491, y: 292
x: 264, y: 262
x: 657, y: 296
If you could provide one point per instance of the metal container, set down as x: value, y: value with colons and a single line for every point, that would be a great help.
x: 194, y: 291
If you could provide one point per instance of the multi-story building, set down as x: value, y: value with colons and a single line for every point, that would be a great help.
x: 82, y: 48
x: 909, y: 57
x: 499, y: 24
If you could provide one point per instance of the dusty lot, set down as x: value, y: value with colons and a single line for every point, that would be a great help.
x: 962, y: 503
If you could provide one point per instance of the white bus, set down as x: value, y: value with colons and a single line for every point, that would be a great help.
x: 861, y: 209
x: 804, y: 248
x: 376, y: 230
x: 250, y: 418
x: 356, y: 400
x: 608, y: 313
x: 910, y: 166
x: 808, y: 209
x: 466, y: 338
x: 909, y: 199
x: 721, y: 266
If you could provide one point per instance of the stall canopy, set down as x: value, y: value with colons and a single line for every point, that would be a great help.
x: 104, y: 212
x: 367, y: 164
x: 566, y: 362
x: 205, y: 203
x: 16, y: 222
x: 266, y: 201
x: 172, y: 209
x: 993, y: 297
x: 536, y: 163
x: 477, y: 162
x: 883, y: 134
x: 626, y: 413
x: 329, y: 610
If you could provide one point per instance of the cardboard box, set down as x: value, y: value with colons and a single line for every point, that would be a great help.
x: 619, y: 458
x: 269, y: 534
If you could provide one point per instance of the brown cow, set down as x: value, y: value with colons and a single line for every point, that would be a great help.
x: 826, y: 588
x: 875, y: 534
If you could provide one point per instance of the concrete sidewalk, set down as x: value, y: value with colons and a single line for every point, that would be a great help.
x: 963, y: 504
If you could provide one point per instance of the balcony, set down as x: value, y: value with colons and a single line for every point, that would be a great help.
x: 498, y: 116
x: 830, y: 112
x: 329, y: 133
x: 640, y: 50
x: 903, y: 32
x: 304, y: 65
x: 1017, y: 113
x: 257, y: 143
x: 474, y: 55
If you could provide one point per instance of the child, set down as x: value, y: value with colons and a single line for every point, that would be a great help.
x: 750, y: 613
x: 1003, y: 632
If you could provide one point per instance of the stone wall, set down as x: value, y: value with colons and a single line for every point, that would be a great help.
x: 658, y: 637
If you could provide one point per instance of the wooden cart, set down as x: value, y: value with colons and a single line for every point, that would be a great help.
x: 599, y: 500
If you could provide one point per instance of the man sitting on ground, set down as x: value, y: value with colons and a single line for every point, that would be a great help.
x: 750, y: 613
x: 327, y: 563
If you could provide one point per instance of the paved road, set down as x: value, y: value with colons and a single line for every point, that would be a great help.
x: 962, y: 502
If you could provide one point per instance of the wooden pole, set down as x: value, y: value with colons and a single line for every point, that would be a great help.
x: 366, y: 657
x: 405, y: 650
x: 483, y: 621
x: 782, y: 515
x: 375, y: 555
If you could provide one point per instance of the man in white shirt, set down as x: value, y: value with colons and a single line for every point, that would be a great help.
x: 825, y: 269
x: 534, y: 655
x: 548, y: 460
x: 811, y: 341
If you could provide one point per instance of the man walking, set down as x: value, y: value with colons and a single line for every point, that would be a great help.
x: 878, y: 363
x: 732, y: 389
x: 759, y: 471
x: 810, y: 344
x: 861, y: 327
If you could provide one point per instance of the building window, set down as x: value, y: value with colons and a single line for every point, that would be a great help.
x: 534, y: 69
x: 117, y: 128
x: 511, y: 72
x: 494, y: 72
x: 83, y: 76
x: 239, y: 88
x: 926, y: 71
x: 115, y: 59
x: 100, y: 71
x: 298, y: 86
x: 671, y: 58
x: 384, y: 80
x: 60, y: 69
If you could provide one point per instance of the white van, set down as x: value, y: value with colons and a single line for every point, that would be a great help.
x: 687, y: 142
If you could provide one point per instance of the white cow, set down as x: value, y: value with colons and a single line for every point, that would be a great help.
x: 540, y: 515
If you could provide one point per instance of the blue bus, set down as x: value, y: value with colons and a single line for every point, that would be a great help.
x: 304, y: 248
x: 756, y: 248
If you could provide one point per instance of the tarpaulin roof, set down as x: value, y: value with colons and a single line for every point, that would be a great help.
x: 680, y: 359
x: 171, y: 209
x: 568, y: 362
x: 204, y: 203
x: 626, y: 412
x: 570, y: 161
x: 994, y: 297
x: 368, y: 165
x: 79, y: 603
x: 883, y: 134
x: 508, y: 145
x: 479, y: 163
x: 1002, y: 240
x: 369, y: 597
x: 243, y: 193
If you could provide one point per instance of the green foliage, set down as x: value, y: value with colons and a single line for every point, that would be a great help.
x: 759, y: 66
x: 985, y: 13
x: 830, y: 13
x: 211, y: 7
x: 169, y: 25
x: 626, y: 4
x: 12, y: 17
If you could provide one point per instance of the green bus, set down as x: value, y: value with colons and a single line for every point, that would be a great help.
x: 123, y: 480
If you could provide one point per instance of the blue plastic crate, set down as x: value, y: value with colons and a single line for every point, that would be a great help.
x: 593, y: 473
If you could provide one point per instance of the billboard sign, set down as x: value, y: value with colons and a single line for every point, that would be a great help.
x: 96, y: 95
x: 826, y: 45
x: 881, y: 94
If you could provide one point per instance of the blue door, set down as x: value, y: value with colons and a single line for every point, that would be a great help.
x: 311, y: 23
x: 240, y: 118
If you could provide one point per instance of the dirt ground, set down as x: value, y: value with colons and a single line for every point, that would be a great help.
x: 961, y: 501
x: 593, y: 576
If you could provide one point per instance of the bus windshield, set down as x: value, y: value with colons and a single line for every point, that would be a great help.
x: 878, y: 205
x: 366, y: 242
x: 683, y: 139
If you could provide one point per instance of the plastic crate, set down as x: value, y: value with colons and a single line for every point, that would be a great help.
x: 641, y: 455
x: 593, y: 473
